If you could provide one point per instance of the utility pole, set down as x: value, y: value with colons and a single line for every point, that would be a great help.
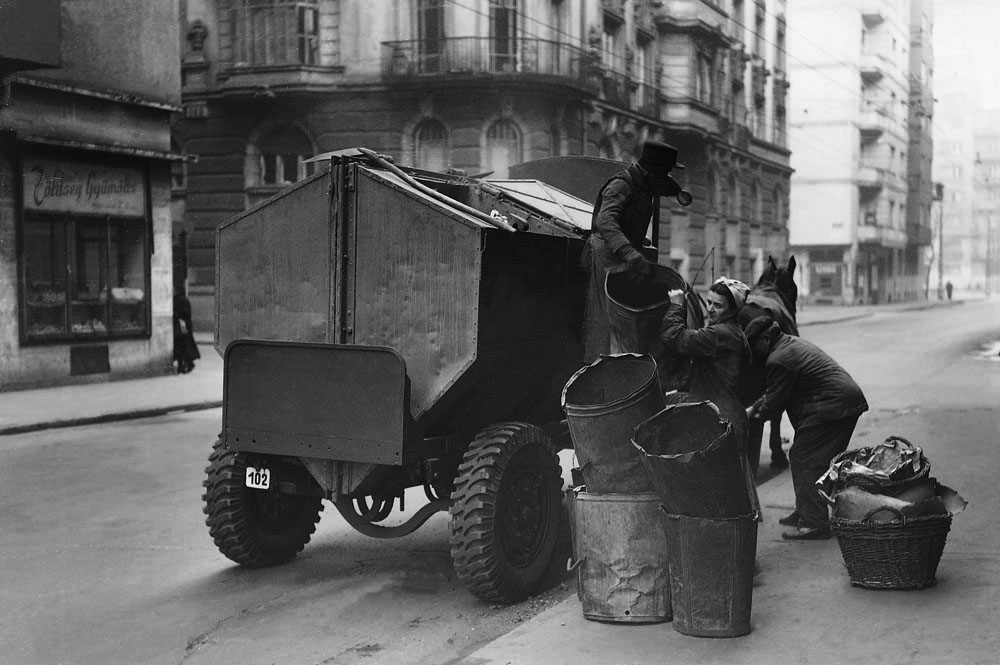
x: 939, y: 197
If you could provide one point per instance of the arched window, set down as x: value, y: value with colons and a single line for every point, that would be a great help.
x: 430, y: 145
x: 503, y: 147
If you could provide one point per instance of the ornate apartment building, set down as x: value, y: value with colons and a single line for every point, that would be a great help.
x: 483, y: 85
x: 861, y: 139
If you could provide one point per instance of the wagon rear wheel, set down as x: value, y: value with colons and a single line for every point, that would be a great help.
x: 505, y: 512
x: 254, y: 528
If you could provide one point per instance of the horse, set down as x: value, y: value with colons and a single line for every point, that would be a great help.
x: 774, y: 295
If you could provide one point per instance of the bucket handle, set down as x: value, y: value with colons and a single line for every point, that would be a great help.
x: 573, y: 565
x: 866, y: 520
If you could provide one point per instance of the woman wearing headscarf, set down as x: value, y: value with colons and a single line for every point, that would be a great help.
x: 719, y: 352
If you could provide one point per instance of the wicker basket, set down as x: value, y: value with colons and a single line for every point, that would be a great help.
x: 892, y: 555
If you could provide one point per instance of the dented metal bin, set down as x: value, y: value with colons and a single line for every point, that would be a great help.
x: 386, y: 328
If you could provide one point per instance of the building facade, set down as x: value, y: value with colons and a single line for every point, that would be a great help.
x: 862, y: 147
x: 85, y: 253
x: 967, y: 165
x: 482, y: 86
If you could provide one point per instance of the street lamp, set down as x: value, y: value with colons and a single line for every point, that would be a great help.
x: 939, y: 197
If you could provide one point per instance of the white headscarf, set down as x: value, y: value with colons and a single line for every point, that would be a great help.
x: 738, y: 289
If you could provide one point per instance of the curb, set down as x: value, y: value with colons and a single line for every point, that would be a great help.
x: 853, y: 317
x: 109, y: 418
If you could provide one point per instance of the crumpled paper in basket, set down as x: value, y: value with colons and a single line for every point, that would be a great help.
x: 892, y: 460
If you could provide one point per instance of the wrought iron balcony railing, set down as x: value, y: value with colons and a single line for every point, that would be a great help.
x: 485, y: 55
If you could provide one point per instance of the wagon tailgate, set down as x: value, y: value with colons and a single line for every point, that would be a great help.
x: 327, y: 401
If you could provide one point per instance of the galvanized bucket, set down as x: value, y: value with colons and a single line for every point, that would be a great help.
x: 693, y: 462
x: 635, y: 314
x: 603, y: 403
x: 620, y: 553
x: 711, y: 563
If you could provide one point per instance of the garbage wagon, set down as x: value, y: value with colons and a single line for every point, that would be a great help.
x: 386, y: 328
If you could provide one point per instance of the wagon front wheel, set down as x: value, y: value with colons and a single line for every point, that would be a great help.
x: 505, y: 512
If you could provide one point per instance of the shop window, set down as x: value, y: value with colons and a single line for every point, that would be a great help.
x: 271, y: 32
x: 430, y: 141
x: 503, y: 147
x: 84, y: 277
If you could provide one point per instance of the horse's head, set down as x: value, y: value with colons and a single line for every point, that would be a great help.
x: 784, y: 282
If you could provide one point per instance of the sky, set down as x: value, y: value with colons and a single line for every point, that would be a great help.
x: 965, y: 32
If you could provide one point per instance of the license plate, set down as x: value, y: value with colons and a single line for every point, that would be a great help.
x: 259, y: 479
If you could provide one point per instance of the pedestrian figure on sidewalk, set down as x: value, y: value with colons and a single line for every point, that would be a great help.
x: 948, y: 287
x: 185, y: 348
x: 823, y: 404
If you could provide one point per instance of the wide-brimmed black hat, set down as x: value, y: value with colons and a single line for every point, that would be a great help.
x: 659, y: 156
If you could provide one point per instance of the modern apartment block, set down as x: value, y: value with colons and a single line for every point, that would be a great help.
x: 482, y: 85
x: 861, y: 141
x: 86, y: 95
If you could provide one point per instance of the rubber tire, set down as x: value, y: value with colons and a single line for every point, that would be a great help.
x: 254, y: 528
x: 509, y: 464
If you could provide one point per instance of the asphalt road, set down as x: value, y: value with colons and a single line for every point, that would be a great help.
x: 106, y: 558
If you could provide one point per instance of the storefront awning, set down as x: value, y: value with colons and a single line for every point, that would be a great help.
x: 108, y: 147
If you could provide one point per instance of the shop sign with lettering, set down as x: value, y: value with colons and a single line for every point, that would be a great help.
x: 75, y: 187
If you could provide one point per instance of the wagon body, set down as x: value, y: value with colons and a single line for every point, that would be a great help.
x: 488, y: 323
x: 386, y: 328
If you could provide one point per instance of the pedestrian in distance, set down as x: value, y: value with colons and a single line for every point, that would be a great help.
x: 948, y: 287
x: 719, y: 352
x: 185, y: 348
x: 823, y: 404
x: 625, y: 206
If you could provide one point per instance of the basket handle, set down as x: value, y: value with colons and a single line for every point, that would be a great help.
x: 866, y: 520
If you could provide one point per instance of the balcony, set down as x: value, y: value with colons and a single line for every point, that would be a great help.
x: 881, y: 235
x: 681, y: 15
x: 873, y: 122
x: 872, y: 177
x: 873, y: 12
x: 872, y: 67
x: 459, y: 57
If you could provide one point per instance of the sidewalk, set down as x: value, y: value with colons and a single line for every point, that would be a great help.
x: 65, y: 406
x: 29, y: 410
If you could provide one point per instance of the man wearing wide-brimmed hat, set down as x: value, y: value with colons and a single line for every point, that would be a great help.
x: 622, y: 213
